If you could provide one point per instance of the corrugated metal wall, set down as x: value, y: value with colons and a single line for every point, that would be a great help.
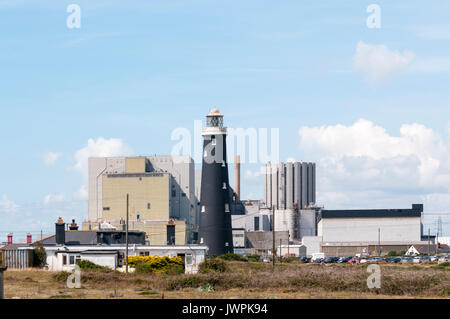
x: 18, y: 259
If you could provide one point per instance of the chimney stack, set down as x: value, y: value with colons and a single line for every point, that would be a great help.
x: 73, y: 226
x: 60, y: 232
x: 29, y: 239
x: 10, y: 238
x: 237, y: 177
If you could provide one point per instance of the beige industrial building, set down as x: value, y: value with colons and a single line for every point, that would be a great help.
x: 161, y: 196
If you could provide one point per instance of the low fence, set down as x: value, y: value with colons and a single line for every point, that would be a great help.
x: 17, y: 258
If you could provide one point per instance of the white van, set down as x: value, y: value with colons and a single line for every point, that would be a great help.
x: 316, y: 256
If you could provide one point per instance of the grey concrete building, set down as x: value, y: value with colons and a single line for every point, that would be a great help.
x: 255, y: 217
x: 290, y: 185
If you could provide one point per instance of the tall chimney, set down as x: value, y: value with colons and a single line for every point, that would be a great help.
x: 60, y: 232
x: 73, y: 226
x: 29, y: 239
x: 10, y: 238
x: 237, y: 177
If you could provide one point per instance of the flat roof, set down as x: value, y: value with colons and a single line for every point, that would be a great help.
x: 370, y: 213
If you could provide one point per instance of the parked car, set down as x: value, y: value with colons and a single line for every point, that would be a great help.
x: 416, y: 260
x: 319, y: 260
x: 316, y: 256
x: 354, y: 260
x: 266, y: 260
x: 394, y: 259
x: 363, y: 260
x: 434, y: 258
x: 425, y: 259
x: 344, y: 260
x: 304, y: 259
x: 331, y: 260
x: 406, y: 259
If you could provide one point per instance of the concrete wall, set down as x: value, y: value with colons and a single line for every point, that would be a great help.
x: 135, y: 165
x: 247, y: 221
x: 285, y: 221
x: 291, y: 250
x: 366, y: 229
x: 313, y: 244
x: 262, y: 241
x: 143, y: 190
x: 307, y: 222
x: 109, y: 261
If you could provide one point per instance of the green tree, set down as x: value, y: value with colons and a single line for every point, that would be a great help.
x: 40, y: 257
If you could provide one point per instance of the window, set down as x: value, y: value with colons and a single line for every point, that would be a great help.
x: 148, y: 206
x: 224, y: 186
x: 64, y: 260
x: 106, y: 208
x: 138, y: 216
x: 203, y: 209
x: 71, y: 260
x: 257, y: 223
x: 174, y: 193
x: 189, y: 259
x: 227, y: 208
x: 77, y: 259
x: 214, y: 142
x: 183, y: 194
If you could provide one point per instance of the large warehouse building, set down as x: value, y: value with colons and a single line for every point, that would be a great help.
x: 371, y: 225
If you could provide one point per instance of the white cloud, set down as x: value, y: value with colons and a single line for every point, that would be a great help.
x: 50, y: 158
x: 378, y: 63
x: 82, y: 192
x: 100, y: 147
x: 250, y: 175
x: 363, y: 165
x: 7, y: 205
x: 50, y: 199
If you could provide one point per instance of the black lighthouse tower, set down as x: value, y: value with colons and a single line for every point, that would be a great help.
x: 215, y: 213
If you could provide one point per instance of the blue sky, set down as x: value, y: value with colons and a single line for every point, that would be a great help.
x: 136, y: 70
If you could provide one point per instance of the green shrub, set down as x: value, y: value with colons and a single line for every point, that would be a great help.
x: 61, y: 276
x: 39, y: 255
x: 391, y: 254
x: 233, y: 256
x: 254, y: 257
x: 190, y: 281
x: 87, y: 265
x: 444, y: 265
x: 215, y: 264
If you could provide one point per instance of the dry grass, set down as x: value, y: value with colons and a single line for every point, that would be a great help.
x: 242, y: 280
